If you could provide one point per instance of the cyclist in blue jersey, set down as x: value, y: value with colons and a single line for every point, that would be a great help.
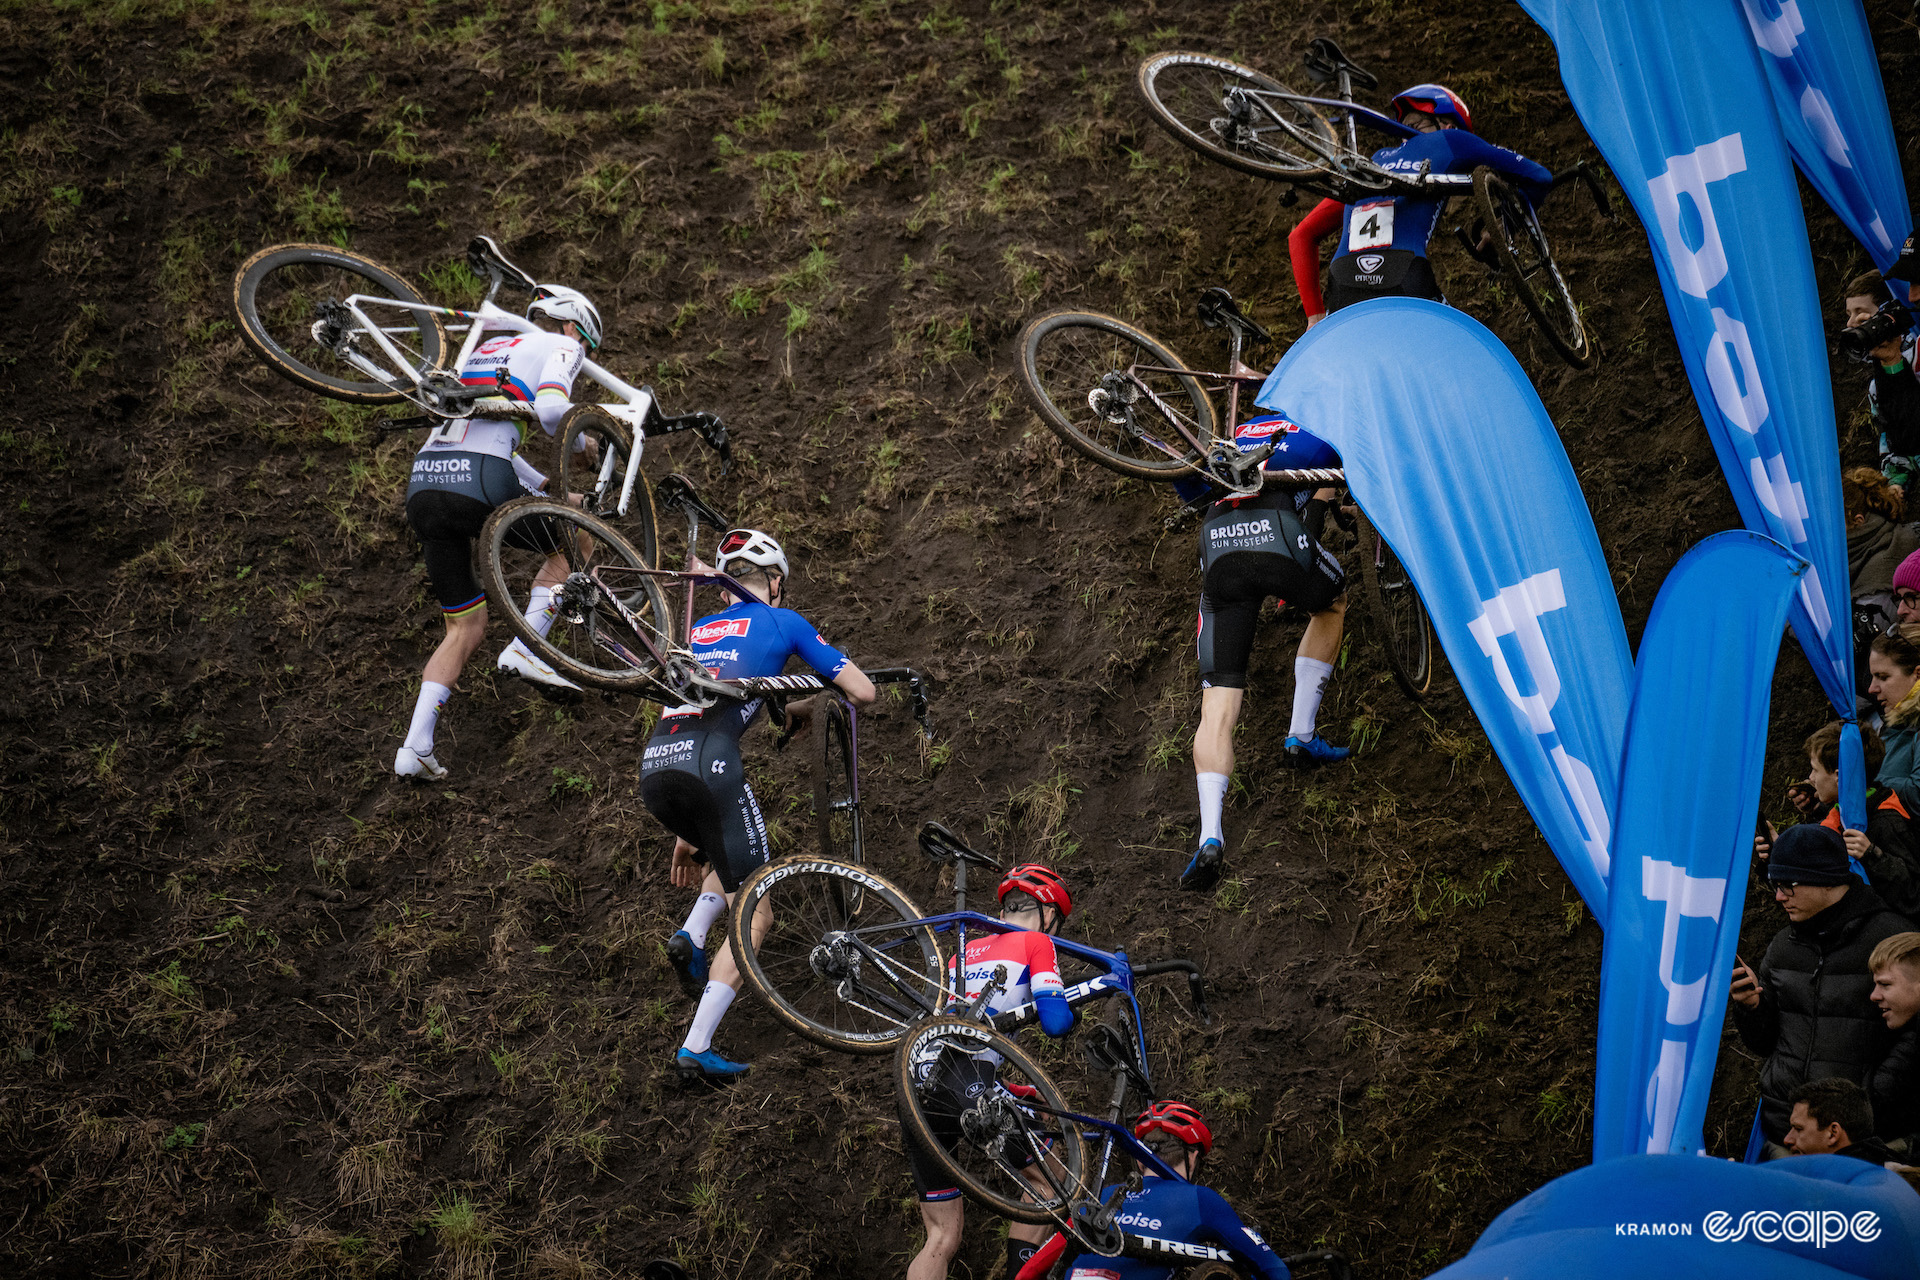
x: 692, y: 779
x: 1174, y: 1224
x: 1383, y: 241
x: 1252, y: 548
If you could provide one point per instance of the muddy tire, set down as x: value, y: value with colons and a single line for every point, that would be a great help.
x: 1527, y: 265
x: 1405, y: 629
x: 1186, y: 93
x: 598, y: 483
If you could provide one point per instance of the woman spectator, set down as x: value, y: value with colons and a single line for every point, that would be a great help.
x: 1877, y: 545
x: 1893, y: 660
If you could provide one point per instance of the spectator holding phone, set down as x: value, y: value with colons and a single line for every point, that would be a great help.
x: 1807, y: 1009
x: 1888, y: 849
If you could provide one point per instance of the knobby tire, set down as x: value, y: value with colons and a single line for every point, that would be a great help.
x: 1398, y: 610
x: 1185, y: 93
x: 810, y: 899
x: 836, y: 796
x: 577, y: 475
x: 1527, y: 262
x: 278, y: 329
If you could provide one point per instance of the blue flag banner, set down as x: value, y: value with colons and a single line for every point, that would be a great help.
x: 1818, y: 59
x: 1683, y: 836
x: 1809, y: 1218
x: 1454, y: 460
x: 1673, y: 96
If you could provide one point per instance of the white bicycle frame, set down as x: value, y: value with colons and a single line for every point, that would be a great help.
x: 638, y: 401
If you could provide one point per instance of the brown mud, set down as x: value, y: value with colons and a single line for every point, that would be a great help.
x: 267, y: 1012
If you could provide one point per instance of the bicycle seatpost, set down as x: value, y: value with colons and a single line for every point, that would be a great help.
x: 959, y: 884
x: 1346, y: 95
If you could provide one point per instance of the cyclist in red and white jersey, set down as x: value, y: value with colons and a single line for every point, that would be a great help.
x: 1035, y: 899
x: 467, y: 468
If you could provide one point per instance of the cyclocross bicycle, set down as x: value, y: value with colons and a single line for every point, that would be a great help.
x: 615, y: 630
x: 1118, y: 396
x: 1251, y: 122
x: 346, y: 327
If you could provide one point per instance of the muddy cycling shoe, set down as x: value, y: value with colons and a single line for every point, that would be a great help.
x: 1306, y: 754
x: 518, y: 660
x: 689, y: 963
x: 408, y: 763
x: 709, y: 1067
x: 1204, y: 871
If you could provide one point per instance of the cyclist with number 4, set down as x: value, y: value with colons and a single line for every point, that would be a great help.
x: 693, y: 781
x: 1183, y: 1222
x: 468, y: 467
x: 1383, y: 243
x: 1035, y: 900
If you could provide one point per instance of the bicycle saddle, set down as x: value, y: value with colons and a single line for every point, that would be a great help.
x: 675, y: 492
x: 945, y: 847
x: 1217, y: 308
x: 1324, y: 63
x: 484, y: 256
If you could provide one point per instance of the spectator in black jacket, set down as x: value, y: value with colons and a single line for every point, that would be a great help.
x: 1895, y: 1086
x: 1834, y: 1118
x: 1889, y: 848
x: 1808, y: 1009
x: 1893, y: 395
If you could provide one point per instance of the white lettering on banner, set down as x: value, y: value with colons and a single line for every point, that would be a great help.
x: 1699, y: 897
x: 1776, y: 35
x: 1515, y: 612
x: 1818, y: 113
x: 1879, y: 230
x: 1814, y: 597
x: 1584, y: 790
x: 1780, y: 494
x: 1738, y: 392
x: 1696, y: 270
x: 1664, y: 1087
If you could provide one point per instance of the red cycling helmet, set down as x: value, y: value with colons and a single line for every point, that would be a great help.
x: 1178, y: 1119
x: 1435, y: 100
x: 1042, y: 883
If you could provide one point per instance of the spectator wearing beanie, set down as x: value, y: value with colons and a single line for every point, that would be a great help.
x: 1906, y: 589
x: 1808, y: 1010
x: 1877, y: 544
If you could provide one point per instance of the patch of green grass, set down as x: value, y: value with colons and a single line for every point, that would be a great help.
x: 797, y: 318
x: 745, y: 300
x: 568, y: 783
x: 184, y: 1137
x: 714, y: 60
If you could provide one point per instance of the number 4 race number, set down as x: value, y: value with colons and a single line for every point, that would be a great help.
x: 1372, y: 226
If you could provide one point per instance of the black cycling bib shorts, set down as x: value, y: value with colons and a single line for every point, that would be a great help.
x: 956, y: 1079
x: 1380, y: 273
x: 1248, y: 552
x: 450, y: 497
x: 692, y: 780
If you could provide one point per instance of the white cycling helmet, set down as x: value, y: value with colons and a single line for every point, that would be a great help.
x: 756, y: 548
x: 557, y: 302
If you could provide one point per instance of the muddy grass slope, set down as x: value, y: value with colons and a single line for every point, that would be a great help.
x: 268, y: 1013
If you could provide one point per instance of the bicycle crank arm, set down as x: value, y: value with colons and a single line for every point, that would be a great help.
x: 386, y: 426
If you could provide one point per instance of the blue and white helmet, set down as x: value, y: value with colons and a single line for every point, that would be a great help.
x: 557, y: 302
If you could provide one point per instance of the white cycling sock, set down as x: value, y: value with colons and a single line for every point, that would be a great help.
x: 706, y: 909
x: 540, y: 610
x: 1309, y: 682
x: 1213, y: 797
x: 706, y: 1019
x: 426, y: 716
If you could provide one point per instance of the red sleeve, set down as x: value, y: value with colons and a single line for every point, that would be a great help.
x: 1303, y: 243
x: 1042, y: 1262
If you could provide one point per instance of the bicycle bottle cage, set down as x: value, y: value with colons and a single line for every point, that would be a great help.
x: 485, y: 259
x: 1217, y: 308
x: 947, y: 848
x: 1324, y: 62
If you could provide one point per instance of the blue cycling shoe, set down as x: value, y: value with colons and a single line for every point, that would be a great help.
x: 1204, y: 871
x: 708, y: 1066
x: 1313, y: 751
x: 689, y: 963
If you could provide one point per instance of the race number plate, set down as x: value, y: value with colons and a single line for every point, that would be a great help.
x: 450, y: 432
x: 1372, y: 226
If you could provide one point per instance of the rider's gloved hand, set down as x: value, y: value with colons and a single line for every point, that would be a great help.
x: 1056, y: 1015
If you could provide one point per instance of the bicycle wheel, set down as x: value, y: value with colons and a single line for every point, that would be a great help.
x: 990, y: 1116
x: 836, y: 786
x: 1226, y: 112
x: 845, y: 961
x: 1074, y: 366
x: 607, y: 611
x: 598, y: 482
x: 1522, y: 248
x: 1396, y: 606
x: 275, y: 293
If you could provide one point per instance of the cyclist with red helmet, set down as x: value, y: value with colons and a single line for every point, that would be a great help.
x: 1383, y: 242
x: 1169, y: 1225
x: 692, y: 779
x: 1033, y: 899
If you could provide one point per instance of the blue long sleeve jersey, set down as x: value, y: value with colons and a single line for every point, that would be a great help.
x: 1182, y: 1222
x: 1407, y: 222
